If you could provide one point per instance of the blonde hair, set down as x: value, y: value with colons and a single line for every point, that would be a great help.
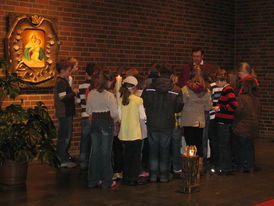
x: 73, y: 60
x: 132, y: 72
x: 245, y: 67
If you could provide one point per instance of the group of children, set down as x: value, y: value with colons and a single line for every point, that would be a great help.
x: 135, y: 125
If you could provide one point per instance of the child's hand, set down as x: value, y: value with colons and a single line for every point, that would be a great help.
x: 216, y: 108
x: 76, y: 90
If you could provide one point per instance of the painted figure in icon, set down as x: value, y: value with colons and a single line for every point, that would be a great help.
x: 34, y: 55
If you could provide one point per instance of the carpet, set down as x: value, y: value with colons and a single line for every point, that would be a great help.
x: 267, y: 203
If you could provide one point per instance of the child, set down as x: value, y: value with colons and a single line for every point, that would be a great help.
x: 162, y: 99
x: 102, y: 105
x: 213, y: 140
x: 176, y: 140
x: 145, y: 147
x: 64, y: 109
x: 197, y: 100
x: 85, y: 142
x: 130, y: 133
x: 246, y: 124
x: 245, y: 72
x: 224, y: 116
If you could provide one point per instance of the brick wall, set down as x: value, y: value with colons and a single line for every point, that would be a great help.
x: 254, y: 26
x: 132, y: 33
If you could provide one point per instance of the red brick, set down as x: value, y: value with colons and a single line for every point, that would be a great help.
x: 139, y: 34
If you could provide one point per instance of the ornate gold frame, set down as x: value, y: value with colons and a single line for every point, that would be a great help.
x: 41, y: 75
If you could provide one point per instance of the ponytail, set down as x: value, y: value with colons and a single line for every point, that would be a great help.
x: 125, y: 92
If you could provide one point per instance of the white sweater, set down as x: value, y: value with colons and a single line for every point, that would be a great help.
x: 102, y: 102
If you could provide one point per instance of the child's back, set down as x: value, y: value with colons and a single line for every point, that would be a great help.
x: 130, y: 128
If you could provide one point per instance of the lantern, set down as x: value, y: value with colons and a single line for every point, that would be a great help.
x: 190, y: 170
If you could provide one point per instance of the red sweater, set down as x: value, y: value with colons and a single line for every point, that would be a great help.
x: 208, y: 73
x: 228, y: 104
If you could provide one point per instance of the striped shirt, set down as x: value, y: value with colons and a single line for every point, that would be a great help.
x: 228, y: 104
x: 215, y: 95
x: 82, y: 97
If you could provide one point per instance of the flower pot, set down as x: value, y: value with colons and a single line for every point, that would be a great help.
x: 13, y: 175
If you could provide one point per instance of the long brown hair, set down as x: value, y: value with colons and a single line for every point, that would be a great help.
x: 125, y: 93
x: 101, y: 79
x: 197, y: 81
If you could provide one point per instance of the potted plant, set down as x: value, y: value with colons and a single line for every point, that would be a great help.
x: 25, y: 134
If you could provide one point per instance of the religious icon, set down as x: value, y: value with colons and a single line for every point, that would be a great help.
x: 33, y: 44
x: 32, y: 49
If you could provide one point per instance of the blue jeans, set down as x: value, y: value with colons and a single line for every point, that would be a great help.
x: 176, y: 149
x: 159, y: 150
x: 100, y: 167
x: 224, y: 141
x: 64, y: 138
x: 213, y: 141
x: 85, y: 143
x: 247, y: 153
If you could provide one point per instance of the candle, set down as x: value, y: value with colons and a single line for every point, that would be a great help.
x: 118, y: 85
x: 191, y: 152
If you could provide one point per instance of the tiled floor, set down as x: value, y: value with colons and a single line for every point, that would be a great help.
x: 49, y: 187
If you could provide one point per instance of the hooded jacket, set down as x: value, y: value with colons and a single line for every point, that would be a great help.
x: 162, y: 99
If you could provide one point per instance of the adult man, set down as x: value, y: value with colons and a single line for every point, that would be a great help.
x: 208, y: 70
x: 162, y: 99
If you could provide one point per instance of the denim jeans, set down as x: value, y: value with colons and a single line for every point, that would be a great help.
x: 213, y: 141
x: 85, y: 142
x: 224, y: 141
x: 64, y: 138
x: 176, y: 149
x: 159, y: 150
x: 145, y: 156
x: 235, y: 144
x: 100, y: 167
x: 247, y: 153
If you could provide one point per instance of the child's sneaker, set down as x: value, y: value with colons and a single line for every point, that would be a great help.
x: 68, y: 165
x: 144, y: 174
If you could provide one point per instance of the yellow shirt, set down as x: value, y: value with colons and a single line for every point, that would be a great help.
x: 130, y: 128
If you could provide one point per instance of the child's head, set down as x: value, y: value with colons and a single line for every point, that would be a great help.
x: 164, y: 70
x: 103, y: 80
x: 64, y: 68
x: 90, y: 69
x: 221, y: 78
x: 174, y: 77
x: 196, y: 76
x: 132, y: 72
x: 75, y: 63
x: 128, y: 88
x: 153, y: 72
x: 141, y: 81
x: 245, y: 69
x: 249, y: 87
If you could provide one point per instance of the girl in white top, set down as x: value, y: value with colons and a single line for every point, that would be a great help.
x: 102, y: 105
